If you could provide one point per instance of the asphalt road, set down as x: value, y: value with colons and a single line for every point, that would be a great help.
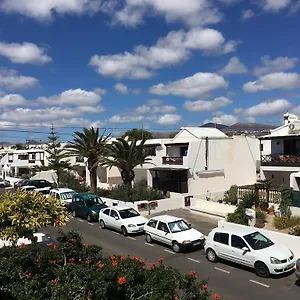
x: 230, y: 281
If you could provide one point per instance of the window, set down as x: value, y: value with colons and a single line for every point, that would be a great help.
x: 66, y: 195
x: 113, y: 214
x: 237, y: 242
x: 106, y: 212
x: 150, y: 150
x: 221, y: 237
x: 179, y: 226
x: 128, y: 213
x: 258, y: 241
x: 152, y: 223
x: 57, y: 196
x: 163, y: 227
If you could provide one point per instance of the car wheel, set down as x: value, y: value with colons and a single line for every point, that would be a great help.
x: 102, y: 224
x: 124, y: 231
x: 74, y: 214
x: 89, y: 219
x: 211, y: 255
x: 261, y: 269
x: 149, y: 238
x: 176, y: 247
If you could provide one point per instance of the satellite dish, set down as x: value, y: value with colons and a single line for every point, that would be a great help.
x: 292, y: 126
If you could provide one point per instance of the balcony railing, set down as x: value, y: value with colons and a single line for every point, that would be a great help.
x: 175, y: 160
x: 274, y: 195
x: 280, y: 160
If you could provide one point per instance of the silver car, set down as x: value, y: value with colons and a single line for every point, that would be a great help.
x: 297, y: 272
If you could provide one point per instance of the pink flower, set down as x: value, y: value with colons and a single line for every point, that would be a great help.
x: 151, y: 265
x: 22, y: 245
x: 28, y: 275
x: 160, y: 260
x: 122, y: 280
x: 216, y: 296
x: 54, y: 281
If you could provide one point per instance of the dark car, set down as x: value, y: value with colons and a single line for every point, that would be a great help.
x: 38, y: 183
x: 87, y: 205
x: 18, y: 183
x: 4, y: 183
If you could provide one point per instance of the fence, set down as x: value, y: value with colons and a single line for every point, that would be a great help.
x: 274, y: 195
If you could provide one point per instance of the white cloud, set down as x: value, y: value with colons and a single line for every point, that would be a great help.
x: 44, y: 10
x: 100, y: 91
x: 154, y: 102
x: 193, y: 86
x: 190, y: 12
x: 11, y: 80
x: 26, y: 53
x: 272, y: 108
x: 136, y: 91
x: 296, y: 111
x: 277, y: 65
x: 168, y: 119
x: 2, y: 93
x: 90, y: 109
x: 126, y: 118
x: 121, y: 88
x: 234, y: 66
x: 223, y: 119
x: 202, y: 106
x: 164, y: 109
x: 273, y: 81
x: 12, y: 100
x: 142, y: 109
x: 247, y: 14
x: 170, y: 50
x: 274, y: 5
x: 72, y: 97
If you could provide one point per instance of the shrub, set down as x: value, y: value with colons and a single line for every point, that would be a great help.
x: 286, y: 200
x: 295, y: 231
x: 284, y: 222
x: 69, y: 180
x: 138, y: 192
x: 231, y: 195
x: 72, y: 270
x: 260, y: 215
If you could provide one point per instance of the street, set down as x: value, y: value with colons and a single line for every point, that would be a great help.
x: 230, y: 281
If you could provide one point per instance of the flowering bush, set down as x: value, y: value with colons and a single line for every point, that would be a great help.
x: 72, y: 270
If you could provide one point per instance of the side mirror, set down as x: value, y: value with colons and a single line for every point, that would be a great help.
x: 246, y: 249
x: 166, y: 232
x: 116, y: 218
x: 190, y: 226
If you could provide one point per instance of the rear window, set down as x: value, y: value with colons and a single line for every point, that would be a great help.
x: 221, y: 237
x: 152, y: 223
x: 67, y: 195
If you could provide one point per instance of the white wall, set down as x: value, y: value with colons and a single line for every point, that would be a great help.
x: 237, y: 157
x: 286, y: 240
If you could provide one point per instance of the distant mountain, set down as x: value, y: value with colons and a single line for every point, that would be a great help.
x: 250, y: 128
x: 213, y: 125
x: 35, y: 142
x: 163, y: 135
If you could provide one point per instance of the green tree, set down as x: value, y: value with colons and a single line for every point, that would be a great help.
x: 286, y: 200
x: 56, y: 155
x: 23, y: 213
x: 137, y: 134
x: 91, y: 145
x: 125, y: 155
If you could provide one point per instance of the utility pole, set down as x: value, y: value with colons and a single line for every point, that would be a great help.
x: 142, y: 129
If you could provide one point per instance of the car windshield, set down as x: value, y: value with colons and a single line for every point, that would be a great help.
x: 128, y: 213
x: 92, y: 200
x: 45, y: 192
x: 258, y: 241
x: 178, y: 226
x: 66, y: 195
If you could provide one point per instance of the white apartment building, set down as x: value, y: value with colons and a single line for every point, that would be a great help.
x: 200, y: 160
x: 280, y: 153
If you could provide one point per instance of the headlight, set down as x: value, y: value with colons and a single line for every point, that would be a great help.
x: 131, y: 225
x: 186, y: 242
x: 275, y: 260
x: 293, y: 255
x: 93, y: 212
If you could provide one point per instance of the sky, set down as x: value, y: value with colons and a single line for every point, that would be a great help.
x: 153, y: 64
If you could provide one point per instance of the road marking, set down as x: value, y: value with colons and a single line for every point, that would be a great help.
x: 90, y: 223
x: 169, y: 251
x: 132, y: 238
x: 259, y: 283
x: 222, y: 270
x: 194, y: 260
x: 147, y: 244
x: 80, y: 220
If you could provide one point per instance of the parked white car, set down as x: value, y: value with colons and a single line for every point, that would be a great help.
x: 122, y: 218
x: 174, y: 232
x: 248, y: 247
x: 63, y: 194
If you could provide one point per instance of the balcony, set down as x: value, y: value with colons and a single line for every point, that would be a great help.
x: 282, y: 160
x: 172, y: 160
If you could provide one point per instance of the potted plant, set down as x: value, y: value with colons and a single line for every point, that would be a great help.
x: 271, y: 210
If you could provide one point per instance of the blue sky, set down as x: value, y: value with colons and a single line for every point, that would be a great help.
x: 159, y: 64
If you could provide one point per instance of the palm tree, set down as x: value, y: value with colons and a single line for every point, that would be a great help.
x: 125, y: 155
x: 89, y: 144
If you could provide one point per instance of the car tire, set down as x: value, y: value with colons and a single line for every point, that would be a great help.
x: 176, y: 247
x: 102, y: 224
x: 211, y: 255
x: 124, y: 231
x: 148, y: 238
x: 74, y: 214
x: 261, y: 269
